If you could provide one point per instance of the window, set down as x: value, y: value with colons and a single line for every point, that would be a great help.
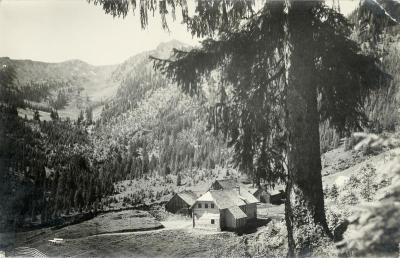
x: 212, y: 221
x: 206, y: 205
x: 199, y: 205
x: 212, y: 205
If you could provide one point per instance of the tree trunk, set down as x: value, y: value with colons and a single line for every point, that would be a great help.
x: 304, y: 214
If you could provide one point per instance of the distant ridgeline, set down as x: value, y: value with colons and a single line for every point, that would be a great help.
x: 54, y: 86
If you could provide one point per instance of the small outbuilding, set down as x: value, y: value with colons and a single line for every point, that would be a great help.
x: 224, y: 184
x: 273, y: 196
x: 262, y: 194
x: 277, y: 196
x: 181, y: 202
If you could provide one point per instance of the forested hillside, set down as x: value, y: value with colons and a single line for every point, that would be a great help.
x: 150, y: 127
x: 68, y: 166
x: 47, y: 170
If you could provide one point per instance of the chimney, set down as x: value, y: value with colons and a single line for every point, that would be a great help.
x: 237, y: 187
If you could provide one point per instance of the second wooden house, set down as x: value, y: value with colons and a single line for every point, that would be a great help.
x: 181, y: 203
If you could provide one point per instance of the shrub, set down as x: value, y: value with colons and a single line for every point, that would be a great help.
x: 349, y: 198
x: 374, y: 229
x: 334, y: 192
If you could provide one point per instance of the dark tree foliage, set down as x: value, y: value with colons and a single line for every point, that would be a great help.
x: 9, y: 92
x: 54, y: 115
x: 210, y: 17
x: 251, y: 61
x: 253, y: 117
x: 60, y: 101
x: 36, y: 115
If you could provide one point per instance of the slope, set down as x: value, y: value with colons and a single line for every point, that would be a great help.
x: 151, y: 128
x: 68, y: 86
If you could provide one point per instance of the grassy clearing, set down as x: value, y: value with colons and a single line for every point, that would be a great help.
x: 44, y: 116
x: 165, y: 243
x: 129, y: 220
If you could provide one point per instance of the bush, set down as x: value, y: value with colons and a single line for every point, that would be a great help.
x: 271, y: 241
x: 334, y: 192
x: 375, y: 229
x: 349, y: 198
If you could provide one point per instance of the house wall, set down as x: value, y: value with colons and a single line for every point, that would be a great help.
x: 251, y: 210
x: 232, y: 223
x: 277, y: 198
x: 202, y: 216
x: 262, y: 196
x: 222, y: 219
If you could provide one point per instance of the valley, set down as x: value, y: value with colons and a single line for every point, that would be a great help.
x: 81, y: 84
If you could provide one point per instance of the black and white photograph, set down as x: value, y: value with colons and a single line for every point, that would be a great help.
x: 200, y: 128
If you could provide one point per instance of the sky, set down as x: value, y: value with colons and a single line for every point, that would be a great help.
x: 59, y: 30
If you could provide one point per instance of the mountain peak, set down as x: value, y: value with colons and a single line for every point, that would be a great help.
x: 169, y: 45
x: 164, y: 49
x: 75, y: 62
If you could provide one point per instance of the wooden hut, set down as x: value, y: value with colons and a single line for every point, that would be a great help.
x: 224, y: 184
x: 181, y: 203
x: 273, y: 196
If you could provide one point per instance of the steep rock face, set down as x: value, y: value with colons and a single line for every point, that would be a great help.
x: 130, y: 66
x: 375, y: 20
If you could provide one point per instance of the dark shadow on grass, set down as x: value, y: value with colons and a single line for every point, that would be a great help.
x: 253, y: 225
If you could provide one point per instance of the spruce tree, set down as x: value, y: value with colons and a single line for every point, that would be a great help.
x: 36, y: 115
x: 89, y: 115
x: 179, y: 180
x: 80, y: 118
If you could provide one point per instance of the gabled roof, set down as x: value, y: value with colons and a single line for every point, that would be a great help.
x: 254, y: 190
x: 207, y: 197
x: 188, y: 196
x: 277, y: 189
x: 227, y: 183
x: 228, y: 198
x: 248, y: 197
x: 237, y: 212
